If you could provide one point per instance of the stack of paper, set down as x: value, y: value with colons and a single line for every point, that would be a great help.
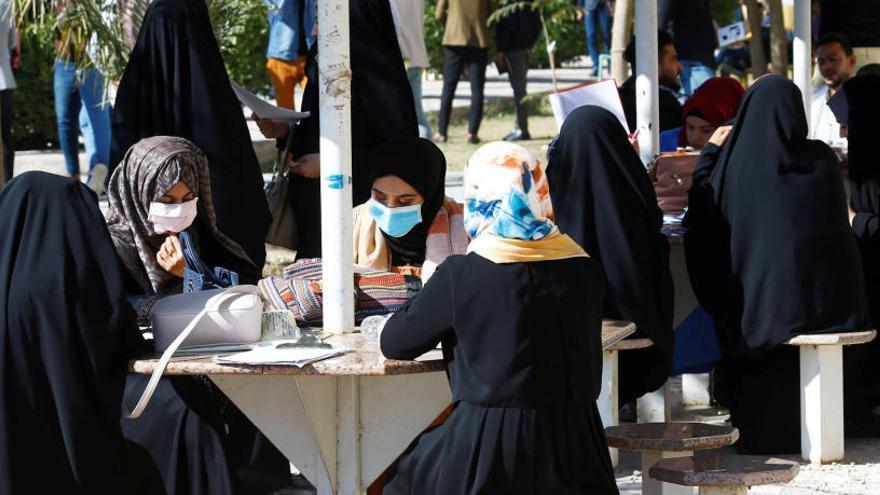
x: 280, y: 355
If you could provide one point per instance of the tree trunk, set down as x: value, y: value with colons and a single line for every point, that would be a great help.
x: 756, y: 43
x: 551, y: 51
x: 622, y: 32
x: 778, y: 41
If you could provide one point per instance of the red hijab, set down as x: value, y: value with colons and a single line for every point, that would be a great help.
x: 715, y: 101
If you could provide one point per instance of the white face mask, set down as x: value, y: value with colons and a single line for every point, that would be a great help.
x: 172, y: 218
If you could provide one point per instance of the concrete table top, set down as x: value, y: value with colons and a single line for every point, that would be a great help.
x: 632, y: 344
x: 845, y: 338
x: 721, y: 470
x: 675, y: 437
x: 362, y: 359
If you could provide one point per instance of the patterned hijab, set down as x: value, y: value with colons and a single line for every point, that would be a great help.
x: 149, y: 170
x: 508, y: 211
x: 506, y: 194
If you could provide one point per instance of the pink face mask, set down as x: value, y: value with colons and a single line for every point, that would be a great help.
x: 170, y: 218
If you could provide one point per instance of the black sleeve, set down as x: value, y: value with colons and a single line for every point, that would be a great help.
x: 307, y: 136
x: 422, y: 323
x: 865, y: 196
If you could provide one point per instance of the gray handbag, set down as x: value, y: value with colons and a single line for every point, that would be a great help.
x: 221, y: 316
x: 283, y: 230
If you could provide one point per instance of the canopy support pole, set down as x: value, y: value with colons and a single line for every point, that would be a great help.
x: 803, y: 52
x: 647, y: 90
x: 334, y: 81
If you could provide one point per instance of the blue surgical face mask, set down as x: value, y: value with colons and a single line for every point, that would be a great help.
x: 396, y: 222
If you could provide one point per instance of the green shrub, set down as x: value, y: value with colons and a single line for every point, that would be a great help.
x: 33, y: 123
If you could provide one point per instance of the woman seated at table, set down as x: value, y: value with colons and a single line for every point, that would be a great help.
x: 67, y: 332
x: 162, y: 187
x: 770, y: 256
x: 520, y: 321
x: 604, y: 199
x: 409, y: 225
x: 712, y: 104
x: 858, y: 119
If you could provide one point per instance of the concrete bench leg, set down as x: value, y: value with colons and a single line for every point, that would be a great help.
x: 695, y: 389
x: 650, y: 486
x: 607, y: 402
x: 654, y: 407
x: 724, y: 490
x: 821, y: 403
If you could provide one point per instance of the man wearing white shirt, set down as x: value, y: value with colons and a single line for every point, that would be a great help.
x: 836, y: 62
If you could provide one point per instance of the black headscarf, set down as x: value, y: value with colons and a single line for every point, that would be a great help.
x: 604, y: 200
x: 382, y: 108
x: 421, y: 164
x: 780, y: 259
x: 175, y: 84
x: 66, y: 333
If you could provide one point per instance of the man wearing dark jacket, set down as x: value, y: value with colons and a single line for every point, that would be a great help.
x: 515, y: 36
x: 668, y: 70
x: 691, y: 26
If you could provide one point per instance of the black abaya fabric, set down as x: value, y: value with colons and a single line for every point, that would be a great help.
x: 603, y: 199
x: 520, y: 344
x: 175, y: 84
x: 66, y: 334
x: 863, y: 361
x: 770, y: 256
x: 769, y: 249
x: 421, y: 164
x: 381, y: 108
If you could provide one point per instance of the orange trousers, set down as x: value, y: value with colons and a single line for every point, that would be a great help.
x: 285, y: 75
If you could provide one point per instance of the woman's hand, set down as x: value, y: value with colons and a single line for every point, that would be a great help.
x: 170, y: 256
x: 270, y: 129
x: 719, y: 137
x: 852, y: 213
x: 308, y: 166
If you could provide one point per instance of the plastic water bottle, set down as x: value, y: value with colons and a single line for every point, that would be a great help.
x: 372, y: 326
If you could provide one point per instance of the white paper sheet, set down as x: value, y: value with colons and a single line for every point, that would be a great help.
x: 264, y: 109
x: 730, y: 34
x: 289, y: 356
x: 602, y: 94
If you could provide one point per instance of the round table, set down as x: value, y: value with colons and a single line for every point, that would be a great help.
x: 341, y: 421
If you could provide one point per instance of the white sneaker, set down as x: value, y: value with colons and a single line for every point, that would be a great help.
x: 97, y: 178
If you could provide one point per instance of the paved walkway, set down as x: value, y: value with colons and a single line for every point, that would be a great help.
x: 497, y: 88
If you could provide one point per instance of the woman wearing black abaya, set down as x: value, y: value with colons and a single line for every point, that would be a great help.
x: 520, y: 321
x: 175, y: 84
x: 382, y: 108
x: 770, y: 255
x: 162, y: 187
x: 863, y: 361
x: 66, y: 334
x: 604, y: 199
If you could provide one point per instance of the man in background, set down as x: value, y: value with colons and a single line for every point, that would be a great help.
x: 836, y: 63
x: 515, y: 36
x: 668, y: 71
x: 691, y: 26
x: 596, y: 16
x: 290, y: 35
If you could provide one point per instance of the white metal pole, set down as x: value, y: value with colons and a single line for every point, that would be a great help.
x: 334, y: 81
x: 803, y: 51
x: 647, y: 90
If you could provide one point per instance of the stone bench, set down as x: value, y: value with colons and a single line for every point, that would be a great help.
x: 821, y: 363
x: 724, y: 474
x: 658, y: 441
x: 608, y: 402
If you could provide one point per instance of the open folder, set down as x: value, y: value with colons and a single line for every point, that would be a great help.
x: 263, y: 108
x: 601, y: 94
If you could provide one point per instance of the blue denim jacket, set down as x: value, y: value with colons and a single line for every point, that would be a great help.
x: 283, y: 24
